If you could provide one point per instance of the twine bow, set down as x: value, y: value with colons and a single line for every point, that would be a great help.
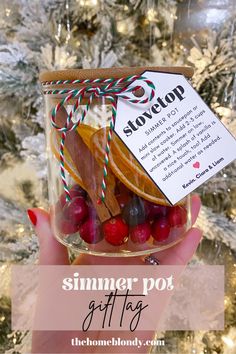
x: 110, y: 91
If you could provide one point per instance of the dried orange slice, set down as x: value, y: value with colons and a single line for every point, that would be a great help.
x: 125, y: 167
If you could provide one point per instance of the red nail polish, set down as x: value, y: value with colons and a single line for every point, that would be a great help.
x: 32, y: 216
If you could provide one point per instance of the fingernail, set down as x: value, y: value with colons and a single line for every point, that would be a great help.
x: 32, y: 216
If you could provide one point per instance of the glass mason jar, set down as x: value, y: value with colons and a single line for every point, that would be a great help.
x: 133, y: 218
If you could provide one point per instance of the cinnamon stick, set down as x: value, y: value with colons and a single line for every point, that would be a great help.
x: 89, y: 170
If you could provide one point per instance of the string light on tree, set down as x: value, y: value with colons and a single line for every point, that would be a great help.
x: 228, y: 341
x: 121, y: 27
x: 8, y: 12
x: 227, y: 301
x: 58, y: 34
x: 68, y: 25
x: 88, y: 3
x: 151, y: 15
x: 174, y: 16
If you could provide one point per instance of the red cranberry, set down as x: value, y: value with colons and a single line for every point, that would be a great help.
x: 140, y: 233
x: 177, y: 216
x: 66, y: 226
x: 123, y: 199
x: 160, y: 229
x: 80, y: 191
x: 90, y: 231
x: 75, y: 191
x: 76, y: 210
x: 115, y: 231
x: 154, y: 210
x: 92, y: 211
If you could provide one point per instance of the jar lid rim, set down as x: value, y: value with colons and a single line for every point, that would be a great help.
x: 114, y: 72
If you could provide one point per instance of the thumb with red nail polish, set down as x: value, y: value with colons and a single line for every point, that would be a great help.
x: 51, y: 252
x: 32, y: 216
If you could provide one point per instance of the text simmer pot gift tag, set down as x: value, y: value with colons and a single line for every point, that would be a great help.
x: 176, y: 138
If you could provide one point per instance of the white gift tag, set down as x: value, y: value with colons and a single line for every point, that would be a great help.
x: 176, y: 138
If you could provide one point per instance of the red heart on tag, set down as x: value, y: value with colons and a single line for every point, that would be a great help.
x: 196, y: 164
